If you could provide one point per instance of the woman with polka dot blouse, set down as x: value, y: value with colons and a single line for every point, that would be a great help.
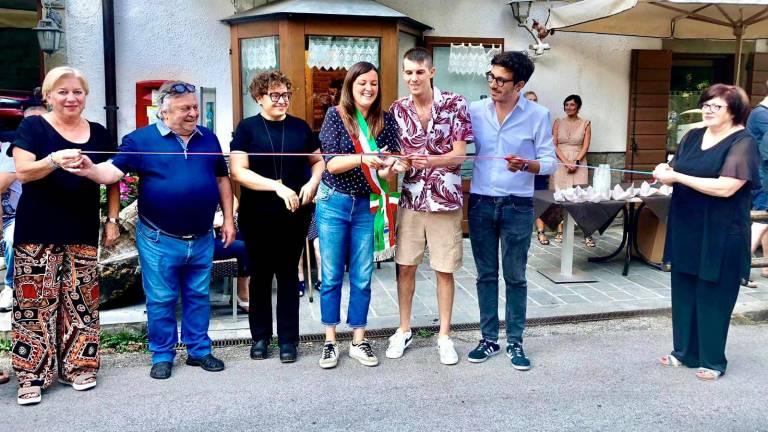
x: 358, y: 127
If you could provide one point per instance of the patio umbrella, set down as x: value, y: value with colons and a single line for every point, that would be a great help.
x: 670, y: 19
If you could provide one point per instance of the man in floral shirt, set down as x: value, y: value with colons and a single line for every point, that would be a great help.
x: 434, y: 128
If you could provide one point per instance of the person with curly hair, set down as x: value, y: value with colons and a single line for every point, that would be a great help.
x: 275, y: 208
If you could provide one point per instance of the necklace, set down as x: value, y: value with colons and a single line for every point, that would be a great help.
x: 424, y: 114
x: 572, y: 126
x: 279, y: 177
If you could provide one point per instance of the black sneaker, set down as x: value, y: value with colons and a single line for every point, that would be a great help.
x: 519, y: 360
x: 485, y: 350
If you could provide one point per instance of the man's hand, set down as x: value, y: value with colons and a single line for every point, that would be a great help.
x: 289, y: 197
x: 419, y: 161
x: 308, y: 191
x: 514, y: 163
x: 79, y: 165
x: 110, y: 235
x: 228, y: 232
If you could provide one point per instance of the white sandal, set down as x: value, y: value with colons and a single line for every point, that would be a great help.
x: 670, y: 361
x: 82, y: 382
x: 706, y: 374
x: 35, y: 394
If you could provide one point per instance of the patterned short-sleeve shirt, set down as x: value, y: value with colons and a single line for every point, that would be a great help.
x: 433, y: 189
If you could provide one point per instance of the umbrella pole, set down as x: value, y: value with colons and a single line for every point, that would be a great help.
x: 739, y: 33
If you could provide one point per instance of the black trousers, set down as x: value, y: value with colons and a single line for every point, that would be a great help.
x: 274, y: 245
x: 701, y: 314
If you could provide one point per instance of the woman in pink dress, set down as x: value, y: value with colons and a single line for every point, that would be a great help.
x: 572, y: 135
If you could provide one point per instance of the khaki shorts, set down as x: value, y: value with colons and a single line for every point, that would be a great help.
x: 440, y: 231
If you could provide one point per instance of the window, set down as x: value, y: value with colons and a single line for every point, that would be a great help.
x: 256, y: 55
x: 328, y: 58
x: 467, y: 81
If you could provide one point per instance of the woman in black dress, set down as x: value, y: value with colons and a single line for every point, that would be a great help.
x: 708, y: 232
x: 275, y: 209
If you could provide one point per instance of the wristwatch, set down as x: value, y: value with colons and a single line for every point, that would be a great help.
x: 115, y: 221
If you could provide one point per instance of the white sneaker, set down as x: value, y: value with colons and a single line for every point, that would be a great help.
x: 447, y: 352
x: 6, y: 299
x: 398, y: 342
x: 363, y: 353
x: 330, y: 356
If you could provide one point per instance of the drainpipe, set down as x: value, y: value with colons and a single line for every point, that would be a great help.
x: 110, y: 86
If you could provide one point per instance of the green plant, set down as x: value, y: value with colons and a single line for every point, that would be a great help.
x: 124, y: 341
x: 5, y: 345
x: 424, y: 333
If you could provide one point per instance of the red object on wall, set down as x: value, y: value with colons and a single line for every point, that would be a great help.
x: 144, y: 99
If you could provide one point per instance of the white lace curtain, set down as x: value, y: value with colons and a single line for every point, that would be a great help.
x: 259, y: 54
x: 468, y: 59
x: 341, y: 52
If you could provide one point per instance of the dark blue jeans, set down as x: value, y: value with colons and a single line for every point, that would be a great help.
x: 507, y: 220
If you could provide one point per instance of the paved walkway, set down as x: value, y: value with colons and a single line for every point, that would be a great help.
x: 643, y: 288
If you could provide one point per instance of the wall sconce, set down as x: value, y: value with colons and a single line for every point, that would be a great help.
x: 521, y: 9
x: 48, y: 31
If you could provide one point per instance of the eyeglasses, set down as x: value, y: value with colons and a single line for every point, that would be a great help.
x: 713, y: 108
x: 275, y: 97
x: 178, y: 88
x: 490, y: 77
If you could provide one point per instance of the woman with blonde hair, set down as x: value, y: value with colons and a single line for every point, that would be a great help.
x: 56, y: 282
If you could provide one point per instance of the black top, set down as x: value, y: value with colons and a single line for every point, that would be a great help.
x: 60, y: 208
x: 699, y: 224
x: 334, y: 138
x: 295, y: 171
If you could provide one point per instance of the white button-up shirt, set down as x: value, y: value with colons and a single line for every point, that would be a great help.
x: 525, y: 132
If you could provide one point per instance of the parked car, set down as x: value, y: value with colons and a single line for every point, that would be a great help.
x: 12, y: 106
x: 688, y: 120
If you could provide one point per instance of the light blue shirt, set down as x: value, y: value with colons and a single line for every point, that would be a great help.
x: 525, y: 132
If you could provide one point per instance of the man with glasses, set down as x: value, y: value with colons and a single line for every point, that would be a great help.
x: 513, y: 143
x: 183, y: 178
x: 434, y: 129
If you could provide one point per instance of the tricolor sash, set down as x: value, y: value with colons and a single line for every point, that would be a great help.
x: 383, y: 203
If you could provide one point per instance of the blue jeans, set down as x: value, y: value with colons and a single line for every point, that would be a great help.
x: 170, y: 266
x: 8, y: 240
x: 506, y: 219
x: 345, y: 226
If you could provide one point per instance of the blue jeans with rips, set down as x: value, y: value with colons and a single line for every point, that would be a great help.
x: 345, y: 227
x: 170, y: 266
x: 506, y: 220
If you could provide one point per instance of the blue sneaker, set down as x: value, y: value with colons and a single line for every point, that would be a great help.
x: 302, y: 288
x: 485, y: 350
x: 519, y: 360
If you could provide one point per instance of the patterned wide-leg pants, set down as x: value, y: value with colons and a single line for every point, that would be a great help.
x: 55, y: 313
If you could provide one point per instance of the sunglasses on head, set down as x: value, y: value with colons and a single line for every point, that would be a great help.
x: 179, y: 88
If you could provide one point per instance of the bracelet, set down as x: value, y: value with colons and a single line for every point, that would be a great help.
x: 361, y: 159
x: 115, y: 221
x: 52, y: 163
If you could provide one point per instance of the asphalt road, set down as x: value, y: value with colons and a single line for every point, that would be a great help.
x: 596, y: 376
